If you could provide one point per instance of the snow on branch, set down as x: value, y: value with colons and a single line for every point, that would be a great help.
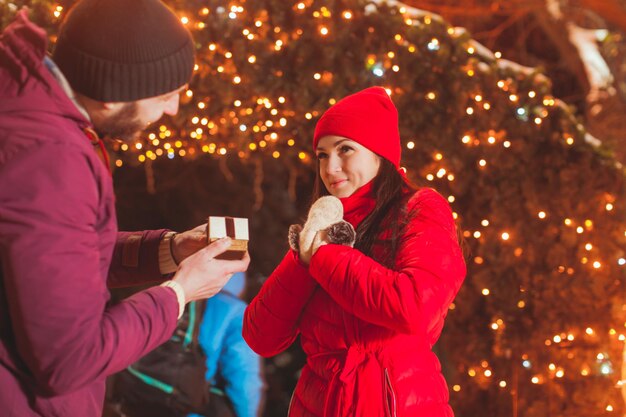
x: 598, y: 72
x: 586, y: 41
x: 413, y: 12
x: 480, y: 49
x: 504, y: 64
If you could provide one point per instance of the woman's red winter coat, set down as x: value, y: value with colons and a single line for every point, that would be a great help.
x: 367, y: 330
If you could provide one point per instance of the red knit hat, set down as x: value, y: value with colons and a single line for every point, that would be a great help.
x: 367, y: 117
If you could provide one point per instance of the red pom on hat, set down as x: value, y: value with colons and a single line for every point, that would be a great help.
x: 367, y: 117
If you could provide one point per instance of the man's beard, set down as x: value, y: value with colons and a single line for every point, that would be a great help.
x: 123, y: 125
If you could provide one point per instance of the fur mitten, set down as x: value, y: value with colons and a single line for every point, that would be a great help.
x: 324, y: 224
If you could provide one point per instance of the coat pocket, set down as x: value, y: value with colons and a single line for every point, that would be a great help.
x: 390, y: 395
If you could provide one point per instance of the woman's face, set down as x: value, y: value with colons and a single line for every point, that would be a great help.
x: 345, y: 165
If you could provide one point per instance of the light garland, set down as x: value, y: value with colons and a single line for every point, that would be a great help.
x: 496, y: 103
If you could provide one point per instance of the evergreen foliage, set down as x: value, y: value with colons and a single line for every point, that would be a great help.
x: 541, y: 207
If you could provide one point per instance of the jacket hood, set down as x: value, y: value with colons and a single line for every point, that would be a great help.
x: 26, y: 84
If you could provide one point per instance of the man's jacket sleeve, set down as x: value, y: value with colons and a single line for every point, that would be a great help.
x: 55, y: 275
x: 136, y: 259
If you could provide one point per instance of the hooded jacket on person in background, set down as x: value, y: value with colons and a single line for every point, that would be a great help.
x: 59, y: 248
x: 367, y: 330
x: 231, y: 364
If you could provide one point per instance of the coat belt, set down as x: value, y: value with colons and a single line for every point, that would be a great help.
x: 360, y: 377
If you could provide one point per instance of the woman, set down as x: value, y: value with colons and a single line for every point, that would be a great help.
x: 368, y: 316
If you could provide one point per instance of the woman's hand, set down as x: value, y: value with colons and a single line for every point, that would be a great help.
x: 323, y: 213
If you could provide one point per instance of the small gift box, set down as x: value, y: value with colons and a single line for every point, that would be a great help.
x: 234, y: 227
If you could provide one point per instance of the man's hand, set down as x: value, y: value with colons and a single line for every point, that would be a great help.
x: 187, y: 243
x: 203, y: 276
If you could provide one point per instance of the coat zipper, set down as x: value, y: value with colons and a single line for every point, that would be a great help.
x: 390, y: 396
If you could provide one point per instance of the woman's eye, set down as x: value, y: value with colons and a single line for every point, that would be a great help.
x: 322, y: 156
x: 345, y: 148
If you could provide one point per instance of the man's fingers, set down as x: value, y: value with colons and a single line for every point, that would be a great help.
x: 218, y: 247
x: 197, y: 233
x: 245, y: 262
x: 238, y: 265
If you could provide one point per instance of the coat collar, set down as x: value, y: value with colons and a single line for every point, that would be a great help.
x: 359, y: 205
x: 65, y: 85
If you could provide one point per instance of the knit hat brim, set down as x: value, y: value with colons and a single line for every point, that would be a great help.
x: 367, y: 117
x: 120, y: 50
x: 107, y: 81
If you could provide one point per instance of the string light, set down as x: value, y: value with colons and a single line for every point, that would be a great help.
x: 525, y: 99
x: 433, y: 45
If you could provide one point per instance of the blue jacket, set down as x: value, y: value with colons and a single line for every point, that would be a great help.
x: 229, y: 359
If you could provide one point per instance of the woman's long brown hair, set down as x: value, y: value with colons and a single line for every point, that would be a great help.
x: 391, y: 193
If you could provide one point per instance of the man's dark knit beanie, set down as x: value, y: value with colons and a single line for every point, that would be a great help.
x: 124, y: 50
